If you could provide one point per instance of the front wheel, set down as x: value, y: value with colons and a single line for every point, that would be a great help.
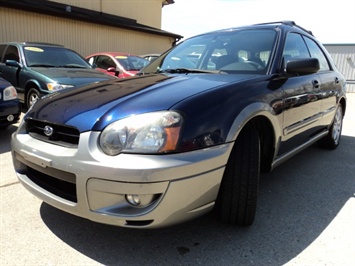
x: 32, y: 96
x: 331, y: 141
x: 236, y: 202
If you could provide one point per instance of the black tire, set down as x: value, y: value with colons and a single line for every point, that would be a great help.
x: 332, y: 140
x: 32, y: 96
x: 236, y: 202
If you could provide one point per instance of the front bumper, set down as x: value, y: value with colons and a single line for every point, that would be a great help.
x: 10, y: 112
x: 87, y: 183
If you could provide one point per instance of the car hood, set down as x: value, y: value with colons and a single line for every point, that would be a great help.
x: 94, y: 106
x: 4, y: 84
x: 72, y: 76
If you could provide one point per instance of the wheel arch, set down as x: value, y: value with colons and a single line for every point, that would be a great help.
x: 269, y: 128
x: 30, y: 84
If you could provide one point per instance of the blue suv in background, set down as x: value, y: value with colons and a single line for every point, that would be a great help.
x: 36, y: 69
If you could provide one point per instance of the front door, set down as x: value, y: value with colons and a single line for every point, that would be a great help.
x: 302, y: 99
x: 11, y: 73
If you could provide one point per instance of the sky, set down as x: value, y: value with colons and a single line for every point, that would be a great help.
x: 331, y: 21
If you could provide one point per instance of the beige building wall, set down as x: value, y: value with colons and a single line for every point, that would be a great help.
x: 85, y: 38
x: 147, y: 12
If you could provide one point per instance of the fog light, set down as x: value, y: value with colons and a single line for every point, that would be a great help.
x: 133, y: 199
x: 10, y: 118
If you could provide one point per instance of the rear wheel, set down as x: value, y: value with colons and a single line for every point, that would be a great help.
x: 32, y: 96
x: 236, y: 202
x: 331, y: 141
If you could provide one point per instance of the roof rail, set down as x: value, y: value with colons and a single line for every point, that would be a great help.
x: 44, y: 43
x: 288, y: 23
x: 292, y: 23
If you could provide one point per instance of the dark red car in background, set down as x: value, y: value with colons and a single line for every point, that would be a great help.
x: 121, y: 65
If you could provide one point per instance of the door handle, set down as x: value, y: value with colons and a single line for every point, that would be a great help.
x: 315, y: 83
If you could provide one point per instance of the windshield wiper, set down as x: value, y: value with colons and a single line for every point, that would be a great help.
x: 189, y: 70
x: 41, y: 65
x: 70, y: 66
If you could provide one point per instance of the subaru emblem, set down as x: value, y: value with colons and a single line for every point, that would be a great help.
x: 48, y: 131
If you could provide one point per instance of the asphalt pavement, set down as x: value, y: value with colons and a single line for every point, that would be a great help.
x: 305, y: 216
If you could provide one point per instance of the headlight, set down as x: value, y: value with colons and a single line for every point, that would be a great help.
x: 156, y: 132
x: 9, y: 93
x: 56, y: 86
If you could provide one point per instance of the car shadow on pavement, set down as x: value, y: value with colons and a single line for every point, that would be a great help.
x: 297, y: 202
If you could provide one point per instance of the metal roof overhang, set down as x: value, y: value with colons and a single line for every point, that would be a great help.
x: 82, y: 14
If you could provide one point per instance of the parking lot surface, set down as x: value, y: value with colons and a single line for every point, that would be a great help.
x: 305, y: 216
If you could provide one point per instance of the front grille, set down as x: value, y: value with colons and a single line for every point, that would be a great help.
x: 62, y: 134
x: 55, y: 181
x: 53, y: 185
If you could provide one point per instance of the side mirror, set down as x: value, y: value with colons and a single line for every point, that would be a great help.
x: 111, y: 69
x: 13, y: 63
x: 302, y: 66
x: 117, y: 71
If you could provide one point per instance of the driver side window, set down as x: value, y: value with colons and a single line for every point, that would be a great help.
x: 303, y: 47
x: 316, y: 52
x: 12, y: 54
x: 104, y: 62
x: 2, y: 49
x: 295, y: 47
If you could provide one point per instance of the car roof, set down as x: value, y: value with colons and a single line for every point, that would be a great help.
x: 276, y: 24
x: 287, y: 23
x: 33, y: 43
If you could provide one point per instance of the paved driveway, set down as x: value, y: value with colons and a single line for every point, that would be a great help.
x: 305, y: 216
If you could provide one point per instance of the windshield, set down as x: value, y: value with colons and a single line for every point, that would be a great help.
x: 243, y: 51
x: 53, y: 57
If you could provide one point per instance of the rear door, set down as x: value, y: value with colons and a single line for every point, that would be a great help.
x: 329, y: 83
